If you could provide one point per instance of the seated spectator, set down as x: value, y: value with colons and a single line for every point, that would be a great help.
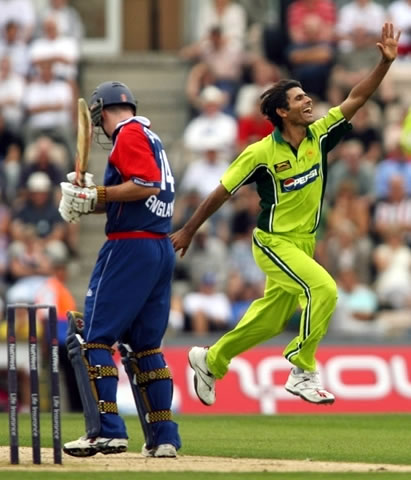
x: 221, y: 64
x: 310, y: 61
x: 392, y: 260
x: 208, y: 253
x: 43, y: 156
x: 207, y: 310
x: 352, y: 66
x: 28, y: 268
x: 12, y: 87
x: 299, y: 10
x: 252, y: 127
x: 364, y: 15
x: 10, y: 171
x: 366, y: 129
x: 399, y: 12
x: 396, y: 163
x: 16, y: 49
x: 346, y: 249
x: 69, y: 22
x: 263, y: 75
x: 38, y: 211
x: 230, y: 16
x: 22, y: 12
x: 4, y: 242
x: 394, y: 212
x: 351, y: 166
x: 207, y: 166
x: 212, y: 127
x: 49, y: 105
x: 61, y: 52
x: 8, y: 137
x: 359, y: 314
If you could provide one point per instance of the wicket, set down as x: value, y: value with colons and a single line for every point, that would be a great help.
x: 34, y: 382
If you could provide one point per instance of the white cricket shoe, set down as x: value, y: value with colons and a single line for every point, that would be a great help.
x: 165, y: 450
x: 87, y: 447
x: 204, y: 381
x: 307, y: 385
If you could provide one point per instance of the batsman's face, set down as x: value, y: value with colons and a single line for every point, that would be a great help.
x: 300, y: 110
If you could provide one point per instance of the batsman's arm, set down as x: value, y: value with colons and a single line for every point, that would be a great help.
x: 388, y: 46
x: 182, y: 238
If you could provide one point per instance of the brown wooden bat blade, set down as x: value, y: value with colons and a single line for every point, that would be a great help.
x: 84, y: 131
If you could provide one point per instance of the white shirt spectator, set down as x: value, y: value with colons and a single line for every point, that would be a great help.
x: 203, y: 175
x: 14, y: 48
x: 69, y: 22
x: 52, y: 93
x: 215, y: 306
x: 367, y: 15
x: 12, y: 87
x: 232, y: 20
x: 21, y: 12
x: 400, y: 14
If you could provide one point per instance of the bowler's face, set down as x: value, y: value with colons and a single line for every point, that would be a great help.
x: 300, y: 107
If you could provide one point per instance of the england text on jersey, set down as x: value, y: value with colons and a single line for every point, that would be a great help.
x: 159, y: 208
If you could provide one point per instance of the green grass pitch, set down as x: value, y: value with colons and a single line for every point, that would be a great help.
x: 342, y: 438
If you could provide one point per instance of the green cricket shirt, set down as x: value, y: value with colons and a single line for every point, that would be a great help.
x: 290, y: 183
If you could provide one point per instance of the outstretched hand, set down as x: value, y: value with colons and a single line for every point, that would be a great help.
x: 389, y: 42
x: 181, y: 241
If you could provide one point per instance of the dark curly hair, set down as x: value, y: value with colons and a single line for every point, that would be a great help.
x: 276, y: 97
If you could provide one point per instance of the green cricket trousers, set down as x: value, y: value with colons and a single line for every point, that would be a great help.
x: 293, y: 278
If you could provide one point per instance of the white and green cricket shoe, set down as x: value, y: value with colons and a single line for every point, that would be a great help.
x: 87, y: 447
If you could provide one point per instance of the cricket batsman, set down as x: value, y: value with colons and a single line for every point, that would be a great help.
x: 289, y: 168
x: 128, y: 299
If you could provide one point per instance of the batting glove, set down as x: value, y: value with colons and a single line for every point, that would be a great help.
x: 82, y: 200
x: 67, y: 213
x: 88, y: 179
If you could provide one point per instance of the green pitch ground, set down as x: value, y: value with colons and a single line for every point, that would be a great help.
x: 383, y: 439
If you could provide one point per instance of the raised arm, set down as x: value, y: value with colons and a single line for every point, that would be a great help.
x: 366, y: 87
x: 182, y: 238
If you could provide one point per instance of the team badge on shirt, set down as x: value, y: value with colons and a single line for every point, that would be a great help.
x: 280, y: 167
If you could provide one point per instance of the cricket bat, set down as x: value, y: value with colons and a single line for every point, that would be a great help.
x: 84, y: 131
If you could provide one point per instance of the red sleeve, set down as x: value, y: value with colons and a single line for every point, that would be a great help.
x: 133, y: 156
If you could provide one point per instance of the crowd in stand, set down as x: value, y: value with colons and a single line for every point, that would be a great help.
x: 39, y: 60
x: 365, y: 235
x: 239, y: 48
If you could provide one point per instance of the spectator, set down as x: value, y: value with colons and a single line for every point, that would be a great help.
x: 38, y: 211
x: 208, y: 310
x: 69, y: 22
x: 353, y: 64
x: 229, y: 16
x: 62, y: 52
x: 351, y: 166
x: 7, y: 138
x: 212, y: 128
x: 263, y: 75
x: 43, y: 156
x: 392, y: 260
x: 222, y: 65
x: 399, y: 12
x: 207, y: 166
x: 49, y: 104
x: 11, y: 94
x: 396, y: 164
x: 54, y: 291
x: 209, y: 254
x: 311, y: 60
x: 19, y: 11
x: 10, y: 171
x: 16, y: 49
x: 299, y: 10
x: 359, y: 15
x: 366, y: 129
x: 394, y: 212
x: 252, y: 127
